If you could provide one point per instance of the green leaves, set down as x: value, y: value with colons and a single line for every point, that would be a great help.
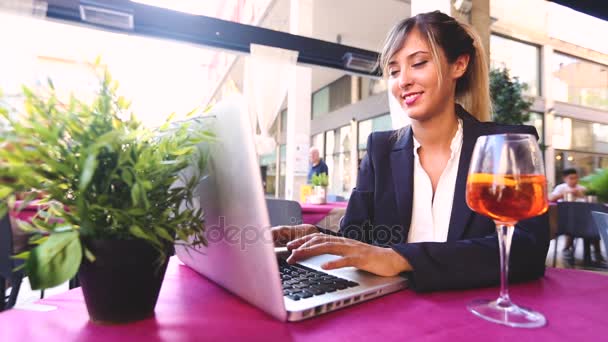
x: 5, y: 191
x: 597, y: 182
x: 320, y: 179
x: 509, y: 104
x: 144, y: 235
x: 90, y: 165
x: 103, y: 175
x: 55, y: 261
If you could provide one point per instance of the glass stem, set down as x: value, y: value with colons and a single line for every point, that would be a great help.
x: 505, y: 233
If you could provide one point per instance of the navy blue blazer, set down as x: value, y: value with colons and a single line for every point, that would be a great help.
x: 380, y: 210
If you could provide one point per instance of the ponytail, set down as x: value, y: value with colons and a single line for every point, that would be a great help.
x: 474, y: 94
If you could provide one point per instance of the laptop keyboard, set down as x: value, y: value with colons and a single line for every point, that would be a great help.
x: 302, y: 282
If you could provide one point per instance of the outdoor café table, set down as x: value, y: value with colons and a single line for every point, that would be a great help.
x: 326, y: 215
x: 191, y: 308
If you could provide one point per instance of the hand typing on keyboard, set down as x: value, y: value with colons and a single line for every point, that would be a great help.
x: 281, y: 235
x: 378, y: 260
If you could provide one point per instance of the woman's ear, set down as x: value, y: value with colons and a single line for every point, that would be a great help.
x: 459, y: 67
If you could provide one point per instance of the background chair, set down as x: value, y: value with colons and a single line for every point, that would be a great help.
x: 574, y: 219
x: 284, y: 212
x: 7, y: 264
x: 335, y: 198
x: 601, y: 221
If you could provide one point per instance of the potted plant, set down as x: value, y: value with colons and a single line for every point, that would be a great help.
x: 113, y: 205
x: 319, y: 182
x: 597, y: 185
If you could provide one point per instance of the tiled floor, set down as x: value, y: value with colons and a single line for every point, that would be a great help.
x: 578, y: 257
x: 27, y: 296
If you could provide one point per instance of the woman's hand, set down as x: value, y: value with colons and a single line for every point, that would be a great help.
x: 283, y: 234
x: 378, y: 260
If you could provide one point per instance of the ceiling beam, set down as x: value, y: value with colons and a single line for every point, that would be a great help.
x: 208, y: 31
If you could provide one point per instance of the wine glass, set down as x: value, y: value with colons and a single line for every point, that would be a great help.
x: 507, y: 183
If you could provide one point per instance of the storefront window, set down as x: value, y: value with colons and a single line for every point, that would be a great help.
x: 372, y: 86
x: 332, y: 97
x: 366, y: 127
x: 338, y: 159
x: 584, y: 163
x: 579, y: 135
x: 536, y: 120
x: 579, y: 82
x: 521, y: 59
x: 320, y: 102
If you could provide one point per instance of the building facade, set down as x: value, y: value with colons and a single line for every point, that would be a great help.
x: 566, y: 77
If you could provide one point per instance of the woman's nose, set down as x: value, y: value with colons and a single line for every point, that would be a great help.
x: 404, y: 80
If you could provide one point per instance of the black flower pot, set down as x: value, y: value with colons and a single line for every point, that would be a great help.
x: 123, y: 282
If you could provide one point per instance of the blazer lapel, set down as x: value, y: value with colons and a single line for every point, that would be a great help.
x: 460, y: 210
x: 402, y: 165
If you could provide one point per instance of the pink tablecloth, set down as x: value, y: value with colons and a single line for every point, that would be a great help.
x: 315, y: 213
x: 26, y: 213
x: 191, y: 308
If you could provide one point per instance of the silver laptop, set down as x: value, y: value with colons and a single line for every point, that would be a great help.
x: 240, y: 255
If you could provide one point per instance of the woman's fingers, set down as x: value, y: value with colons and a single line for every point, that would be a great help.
x: 346, y: 261
x: 300, y: 241
x: 281, y: 235
x: 335, y: 248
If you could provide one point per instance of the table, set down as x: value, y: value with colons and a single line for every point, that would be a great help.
x: 191, y: 308
x: 325, y: 215
x: 27, y: 213
x: 21, y: 238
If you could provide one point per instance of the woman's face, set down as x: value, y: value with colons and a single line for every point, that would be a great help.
x: 413, y: 78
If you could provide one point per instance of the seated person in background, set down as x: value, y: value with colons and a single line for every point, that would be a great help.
x: 569, y: 186
x: 560, y: 193
x: 408, y: 211
x: 318, y: 166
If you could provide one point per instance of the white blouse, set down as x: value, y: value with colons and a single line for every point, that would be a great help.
x: 431, y: 218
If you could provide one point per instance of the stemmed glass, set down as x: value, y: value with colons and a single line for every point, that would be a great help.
x: 507, y: 183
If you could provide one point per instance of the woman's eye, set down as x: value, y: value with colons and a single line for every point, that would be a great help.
x: 419, y: 64
x: 393, y: 72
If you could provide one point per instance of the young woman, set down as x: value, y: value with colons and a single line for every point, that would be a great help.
x: 408, y: 212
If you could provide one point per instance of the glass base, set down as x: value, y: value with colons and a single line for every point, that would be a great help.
x: 510, y: 315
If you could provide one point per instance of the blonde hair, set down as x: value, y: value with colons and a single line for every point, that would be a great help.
x: 446, y: 35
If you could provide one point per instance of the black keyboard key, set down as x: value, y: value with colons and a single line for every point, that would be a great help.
x: 302, y: 282
x: 316, y: 291
x: 307, y: 294
x: 341, y: 286
x: 325, y: 286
